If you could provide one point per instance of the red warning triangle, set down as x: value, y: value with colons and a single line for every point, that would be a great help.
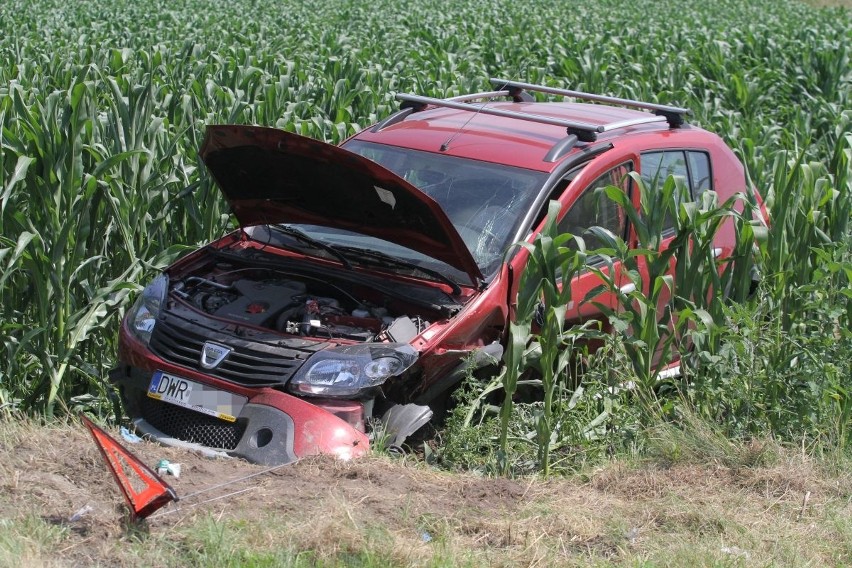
x: 145, y: 491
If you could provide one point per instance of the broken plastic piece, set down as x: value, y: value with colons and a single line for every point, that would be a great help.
x: 82, y: 512
x: 155, y: 492
x: 165, y: 467
x: 402, y: 420
x: 129, y: 436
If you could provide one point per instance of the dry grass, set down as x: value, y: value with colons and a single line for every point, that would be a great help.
x: 831, y: 3
x: 380, y: 512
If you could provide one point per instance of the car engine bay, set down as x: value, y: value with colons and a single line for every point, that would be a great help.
x: 301, y: 303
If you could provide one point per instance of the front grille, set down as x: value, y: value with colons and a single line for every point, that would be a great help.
x: 251, y: 363
x: 190, y: 426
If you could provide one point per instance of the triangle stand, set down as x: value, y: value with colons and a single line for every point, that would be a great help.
x: 143, y: 489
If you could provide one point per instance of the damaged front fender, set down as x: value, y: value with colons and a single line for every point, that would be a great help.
x: 402, y: 420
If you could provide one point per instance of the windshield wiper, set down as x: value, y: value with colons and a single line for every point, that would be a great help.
x: 386, y: 259
x: 315, y: 243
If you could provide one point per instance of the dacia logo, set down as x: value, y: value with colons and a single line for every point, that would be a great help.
x: 212, y: 354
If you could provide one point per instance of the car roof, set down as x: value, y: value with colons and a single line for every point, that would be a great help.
x: 504, y: 139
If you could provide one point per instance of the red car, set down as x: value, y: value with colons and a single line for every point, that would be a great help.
x: 367, y: 278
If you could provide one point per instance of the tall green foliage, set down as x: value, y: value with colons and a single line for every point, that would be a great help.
x: 539, y: 339
x: 103, y: 105
x: 781, y: 363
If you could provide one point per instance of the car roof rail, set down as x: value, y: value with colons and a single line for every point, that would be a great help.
x: 673, y: 115
x: 519, y: 92
x: 482, y: 95
x: 410, y: 106
x: 584, y: 131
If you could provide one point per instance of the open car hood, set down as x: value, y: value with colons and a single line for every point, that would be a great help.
x: 271, y: 176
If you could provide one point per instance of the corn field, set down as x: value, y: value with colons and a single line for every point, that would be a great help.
x: 103, y: 105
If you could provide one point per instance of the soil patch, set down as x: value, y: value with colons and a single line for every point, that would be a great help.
x: 410, y: 513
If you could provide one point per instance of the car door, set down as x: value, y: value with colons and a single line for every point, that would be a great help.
x: 587, y: 206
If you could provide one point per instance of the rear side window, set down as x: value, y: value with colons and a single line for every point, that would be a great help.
x: 691, y: 165
x: 699, y: 173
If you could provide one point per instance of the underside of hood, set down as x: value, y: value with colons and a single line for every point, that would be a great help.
x: 270, y: 176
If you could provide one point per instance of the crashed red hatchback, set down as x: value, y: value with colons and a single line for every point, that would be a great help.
x: 367, y: 280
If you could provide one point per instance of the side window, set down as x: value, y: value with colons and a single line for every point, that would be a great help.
x: 658, y: 166
x: 700, y: 177
x: 594, y: 208
x: 558, y: 189
x: 692, y: 166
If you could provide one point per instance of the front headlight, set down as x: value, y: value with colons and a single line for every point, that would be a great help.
x: 352, y: 371
x: 143, y: 314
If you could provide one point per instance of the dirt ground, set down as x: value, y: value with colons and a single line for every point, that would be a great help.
x: 55, y: 472
x: 614, y: 514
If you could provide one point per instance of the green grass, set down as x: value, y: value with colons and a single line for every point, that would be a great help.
x: 26, y: 541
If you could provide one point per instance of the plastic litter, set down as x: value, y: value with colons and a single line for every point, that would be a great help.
x: 130, y: 436
x: 735, y: 551
x: 425, y: 537
x: 165, y: 467
x: 82, y: 512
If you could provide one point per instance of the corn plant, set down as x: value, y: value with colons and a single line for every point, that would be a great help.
x: 673, y: 302
x: 103, y: 107
x: 641, y: 315
x: 539, y: 340
x: 779, y: 363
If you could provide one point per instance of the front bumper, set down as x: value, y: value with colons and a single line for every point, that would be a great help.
x: 272, y: 428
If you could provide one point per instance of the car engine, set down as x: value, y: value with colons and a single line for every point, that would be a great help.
x: 300, y: 305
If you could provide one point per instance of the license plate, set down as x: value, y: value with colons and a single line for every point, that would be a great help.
x: 195, y: 396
